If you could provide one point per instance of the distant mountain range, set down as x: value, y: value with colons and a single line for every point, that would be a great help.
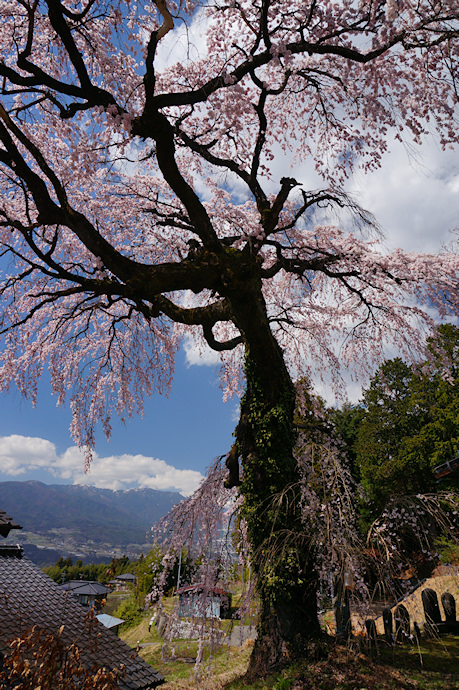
x: 100, y: 515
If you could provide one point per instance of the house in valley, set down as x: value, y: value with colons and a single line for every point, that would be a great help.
x: 87, y: 593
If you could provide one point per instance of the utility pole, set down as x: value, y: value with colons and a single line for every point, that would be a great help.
x: 179, y: 568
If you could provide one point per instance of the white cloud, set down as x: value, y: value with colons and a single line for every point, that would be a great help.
x: 414, y: 197
x: 21, y: 454
x: 200, y: 355
x: 185, y: 44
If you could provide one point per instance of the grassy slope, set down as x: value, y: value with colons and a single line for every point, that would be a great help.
x: 435, y: 666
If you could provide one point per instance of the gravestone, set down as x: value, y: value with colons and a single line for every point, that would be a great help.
x: 402, y: 624
x: 342, y: 609
x: 372, y: 634
x: 388, y: 629
x: 431, y: 607
x: 431, y: 612
x: 343, y: 617
x: 449, y: 607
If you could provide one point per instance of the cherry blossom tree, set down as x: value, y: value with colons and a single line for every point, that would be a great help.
x: 140, y: 206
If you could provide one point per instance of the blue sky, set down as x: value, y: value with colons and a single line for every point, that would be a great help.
x: 185, y: 431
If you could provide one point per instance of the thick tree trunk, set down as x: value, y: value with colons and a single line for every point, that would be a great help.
x: 281, y: 557
x: 282, y: 561
x: 287, y: 628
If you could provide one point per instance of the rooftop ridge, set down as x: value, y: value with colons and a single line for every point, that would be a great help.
x: 12, y: 550
x: 7, y: 524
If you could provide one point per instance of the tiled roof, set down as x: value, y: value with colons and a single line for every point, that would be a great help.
x: 216, y: 591
x: 122, y: 579
x: 29, y: 597
x: 7, y: 524
x: 84, y: 587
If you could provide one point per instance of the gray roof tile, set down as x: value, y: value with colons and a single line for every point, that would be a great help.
x: 84, y: 587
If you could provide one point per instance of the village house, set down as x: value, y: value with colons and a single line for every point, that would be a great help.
x: 87, y: 593
x: 122, y: 583
x: 198, y: 601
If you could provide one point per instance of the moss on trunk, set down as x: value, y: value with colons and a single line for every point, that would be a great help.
x: 286, y: 579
